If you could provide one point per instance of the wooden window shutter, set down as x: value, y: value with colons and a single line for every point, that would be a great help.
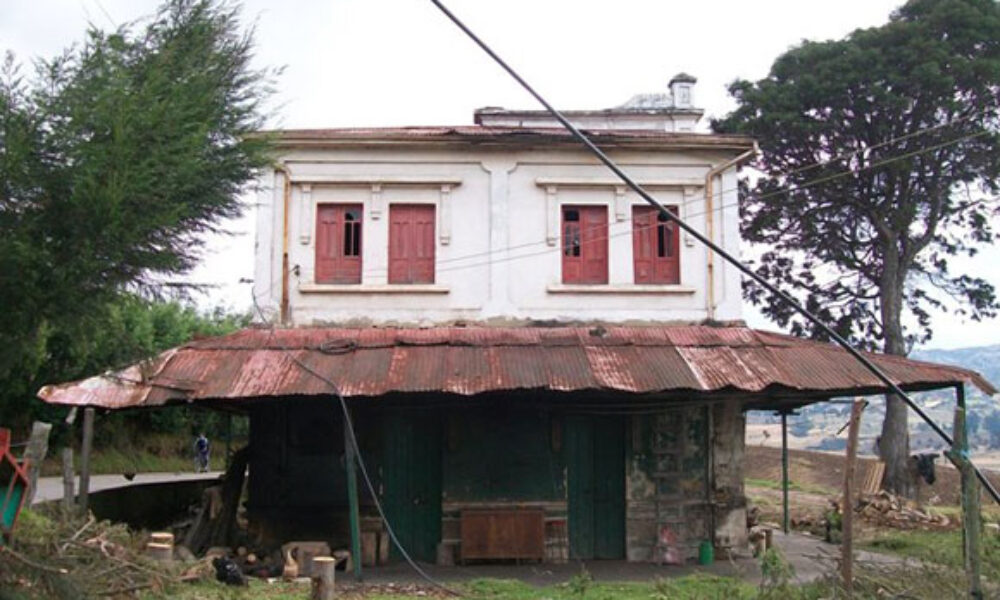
x: 655, y: 246
x: 585, y: 244
x: 411, y: 243
x: 338, y: 243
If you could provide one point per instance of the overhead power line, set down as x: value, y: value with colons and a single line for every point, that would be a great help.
x: 774, y: 290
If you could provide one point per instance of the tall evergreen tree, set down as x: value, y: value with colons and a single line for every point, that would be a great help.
x: 909, y: 111
x: 116, y: 159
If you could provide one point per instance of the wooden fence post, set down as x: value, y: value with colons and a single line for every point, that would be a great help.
x: 847, y: 510
x: 38, y: 447
x: 68, y: 480
x: 959, y: 454
x: 88, y: 442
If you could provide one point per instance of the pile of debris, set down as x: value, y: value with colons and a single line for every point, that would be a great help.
x: 55, y: 556
x: 887, y: 510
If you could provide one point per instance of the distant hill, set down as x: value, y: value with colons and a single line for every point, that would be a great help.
x: 984, y: 359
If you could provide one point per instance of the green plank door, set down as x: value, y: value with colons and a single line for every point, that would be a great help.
x: 412, y: 476
x: 609, y: 488
x: 596, y: 473
x: 579, y: 445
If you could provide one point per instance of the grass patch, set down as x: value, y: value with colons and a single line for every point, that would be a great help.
x: 939, y: 547
x: 114, y: 461
x: 990, y: 512
x: 690, y: 587
x: 792, y: 485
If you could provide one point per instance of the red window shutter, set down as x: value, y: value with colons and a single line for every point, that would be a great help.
x: 655, y: 246
x: 338, y: 243
x: 585, y: 244
x: 643, y: 220
x: 411, y: 243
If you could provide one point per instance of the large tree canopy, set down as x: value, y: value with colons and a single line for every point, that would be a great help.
x: 115, y: 159
x: 879, y: 162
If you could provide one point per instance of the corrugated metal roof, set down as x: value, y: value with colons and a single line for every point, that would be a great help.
x: 255, y: 363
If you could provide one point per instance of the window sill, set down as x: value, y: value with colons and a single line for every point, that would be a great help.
x: 363, y: 288
x: 617, y: 288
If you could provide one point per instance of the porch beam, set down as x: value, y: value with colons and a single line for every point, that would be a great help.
x: 352, y: 500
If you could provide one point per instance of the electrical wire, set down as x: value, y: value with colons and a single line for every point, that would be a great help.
x: 774, y: 290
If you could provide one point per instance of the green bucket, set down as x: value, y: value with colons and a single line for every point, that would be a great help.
x: 706, y: 553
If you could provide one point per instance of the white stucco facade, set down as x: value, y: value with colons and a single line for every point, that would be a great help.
x: 497, y: 201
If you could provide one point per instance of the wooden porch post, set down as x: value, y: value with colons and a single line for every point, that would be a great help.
x: 229, y: 439
x: 352, y: 500
x: 959, y: 454
x: 784, y: 470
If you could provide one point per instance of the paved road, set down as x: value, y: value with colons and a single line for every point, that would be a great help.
x: 51, y: 488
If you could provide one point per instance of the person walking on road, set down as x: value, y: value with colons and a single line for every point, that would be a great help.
x: 201, y: 448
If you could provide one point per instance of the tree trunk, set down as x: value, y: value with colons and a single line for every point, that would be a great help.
x: 894, y: 444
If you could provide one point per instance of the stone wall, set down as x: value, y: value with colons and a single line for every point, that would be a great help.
x: 728, y: 454
x: 667, y: 484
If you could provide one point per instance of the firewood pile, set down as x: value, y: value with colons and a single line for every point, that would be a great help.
x: 887, y: 510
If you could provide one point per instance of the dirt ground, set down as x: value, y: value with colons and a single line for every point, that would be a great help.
x: 823, y: 472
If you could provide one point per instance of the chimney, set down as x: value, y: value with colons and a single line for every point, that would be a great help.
x: 681, y: 87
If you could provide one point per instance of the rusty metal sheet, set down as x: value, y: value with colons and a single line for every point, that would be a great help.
x: 256, y: 363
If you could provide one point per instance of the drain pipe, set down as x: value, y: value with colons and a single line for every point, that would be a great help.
x: 285, y: 199
x: 710, y: 221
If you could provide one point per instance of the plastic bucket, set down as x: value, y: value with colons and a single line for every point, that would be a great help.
x: 706, y: 553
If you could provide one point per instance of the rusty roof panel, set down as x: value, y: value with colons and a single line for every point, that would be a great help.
x: 255, y: 363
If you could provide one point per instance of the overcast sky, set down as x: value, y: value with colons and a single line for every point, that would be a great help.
x: 399, y: 62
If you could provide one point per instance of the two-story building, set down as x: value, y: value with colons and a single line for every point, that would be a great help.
x: 538, y: 364
x: 507, y: 221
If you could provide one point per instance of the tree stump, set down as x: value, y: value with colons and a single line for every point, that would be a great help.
x: 160, y: 552
x: 324, y: 572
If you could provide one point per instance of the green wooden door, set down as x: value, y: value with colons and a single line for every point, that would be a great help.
x: 412, y: 477
x: 595, y: 461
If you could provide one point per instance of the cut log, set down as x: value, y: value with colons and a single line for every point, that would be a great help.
x: 345, y: 556
x: 369, y: 548
x: 324, y: 573
x: 305, y: 552
x: 160, y: 552
x: 162, y: 537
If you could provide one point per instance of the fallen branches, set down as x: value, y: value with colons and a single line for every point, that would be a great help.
x: 77, y: 558
x: 887, y: 510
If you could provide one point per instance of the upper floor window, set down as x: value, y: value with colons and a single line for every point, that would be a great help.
x: 338, y: 243
x: 584, y: 244
x: 411, y: 243
x: 655, y: 246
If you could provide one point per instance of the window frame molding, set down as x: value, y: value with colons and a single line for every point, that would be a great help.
x: 375, y: 206
x: 617, y: 199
